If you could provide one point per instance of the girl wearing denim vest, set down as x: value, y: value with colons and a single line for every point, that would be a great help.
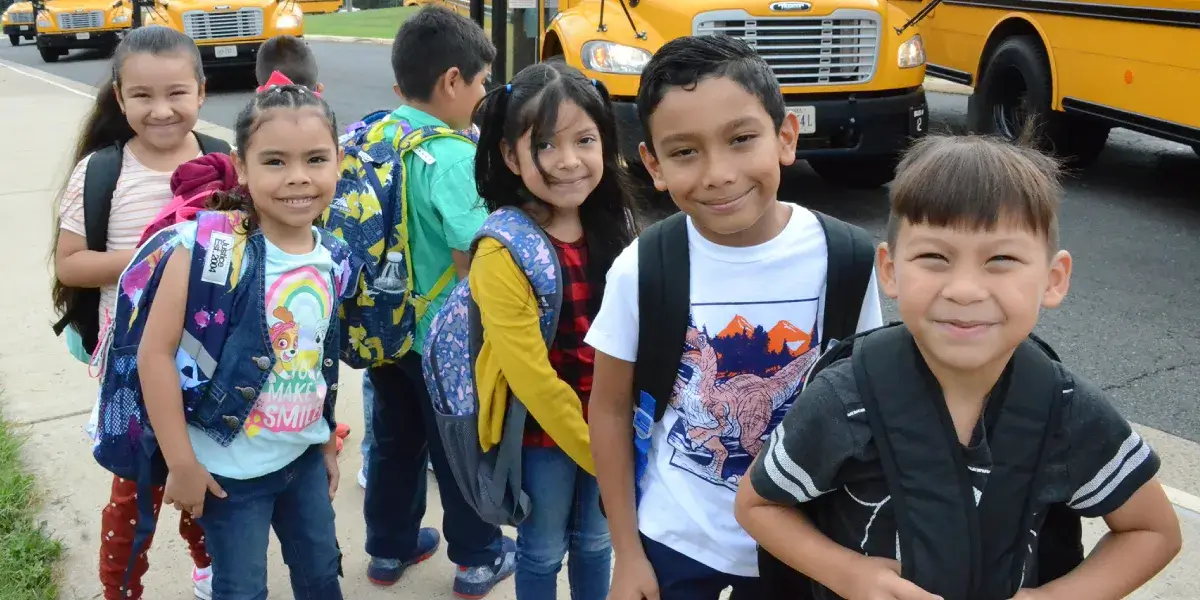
x: 549, y: 147
x: 148, y: 110
x: 257, y: 451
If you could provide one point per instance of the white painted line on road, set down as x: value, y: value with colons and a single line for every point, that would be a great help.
x: 1182, y: 499
x: 44, y: 80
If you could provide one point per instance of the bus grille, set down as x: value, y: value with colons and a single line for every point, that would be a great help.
x: 837, y: 49
x: 244, y: 23
x: 21, y: 18
x: 84, y: 20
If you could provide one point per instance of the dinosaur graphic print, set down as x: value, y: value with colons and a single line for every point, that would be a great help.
x: 735, y: 385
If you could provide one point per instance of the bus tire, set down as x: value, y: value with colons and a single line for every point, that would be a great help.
x: 49, y: 55
x: 1196, y: 149
x: 1013, y: 100
x: 14, y: 39
x: 856, y: 173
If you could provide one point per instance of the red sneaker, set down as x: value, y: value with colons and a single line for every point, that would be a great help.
x: 342, y: 431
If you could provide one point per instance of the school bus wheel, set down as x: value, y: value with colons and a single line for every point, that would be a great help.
x: 14, y: 39
x: 50, y: 55
x: 856, y: 172
x: 1013, y: 101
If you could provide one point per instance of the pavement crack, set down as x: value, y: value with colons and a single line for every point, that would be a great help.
x: 1147, y: 374
x: 50, y: 418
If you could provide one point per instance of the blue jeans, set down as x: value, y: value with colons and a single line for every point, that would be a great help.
x: 368, y: 440
x: 295, y: 501
x: 406, y: 439
x: 683, y: 578
x: 564, y: 515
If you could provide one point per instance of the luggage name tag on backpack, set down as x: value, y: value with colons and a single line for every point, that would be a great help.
x: 424, y: 154
x: 218, y: 258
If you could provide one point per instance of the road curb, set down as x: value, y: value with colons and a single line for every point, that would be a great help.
x: 931, y: 83
x: 341, y: 39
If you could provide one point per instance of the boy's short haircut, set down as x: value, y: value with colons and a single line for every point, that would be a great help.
x: 433, y: 41
x: 290, y: 56
x: 973, y: 182
x: 684, y: 62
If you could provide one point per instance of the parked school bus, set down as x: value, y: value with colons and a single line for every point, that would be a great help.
x: 18, y: 22
x: 320, y: 7
x: 850, y: 70
x: 228, y: 32
x: 65, y: 25
x: 1078, y: 67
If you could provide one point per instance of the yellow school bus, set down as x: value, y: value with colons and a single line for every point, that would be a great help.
x: 65, y: 25
x: 18, y: 22
x: 228, y: 32
x: 320, y: 7
x: 1077, y: 68
x: 851, y: 70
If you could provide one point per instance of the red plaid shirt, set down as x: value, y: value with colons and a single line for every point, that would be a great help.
x: 570, y: 357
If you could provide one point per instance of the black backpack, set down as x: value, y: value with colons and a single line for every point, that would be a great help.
x: 664, y: 301
x: 1059, y: 538
x: 100, y: 181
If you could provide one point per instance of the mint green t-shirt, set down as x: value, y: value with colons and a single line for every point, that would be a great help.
x: 444, y: 210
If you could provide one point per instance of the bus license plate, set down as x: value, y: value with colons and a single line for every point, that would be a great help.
x: 24, y: 28
x: 226, y: 51
x: 807, y: 115
x: 82, y: 36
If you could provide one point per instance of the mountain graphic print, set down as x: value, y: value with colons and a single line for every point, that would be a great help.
x: 735, y: 385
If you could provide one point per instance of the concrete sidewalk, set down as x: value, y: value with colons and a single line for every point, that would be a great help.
x: 50, y: 394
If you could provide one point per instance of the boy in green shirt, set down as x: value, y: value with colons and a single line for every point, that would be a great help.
x: 441, y: 61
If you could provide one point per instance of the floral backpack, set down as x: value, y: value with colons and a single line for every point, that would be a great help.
x: 490, y: 481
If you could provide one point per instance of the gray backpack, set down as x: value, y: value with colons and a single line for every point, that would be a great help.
x: 490, y: 481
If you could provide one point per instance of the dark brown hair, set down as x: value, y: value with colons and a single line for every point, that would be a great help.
x: 290, y: 56
x: 973, y: 182
x: 291, y: 96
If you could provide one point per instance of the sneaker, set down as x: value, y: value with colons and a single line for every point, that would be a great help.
x: 362, y: 479
x: 342, y: 430
x: 340, y: 443
x: 202, y: 582
x: 475, y: 582
x: 387, y: 571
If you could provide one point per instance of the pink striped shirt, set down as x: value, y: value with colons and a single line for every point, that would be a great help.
x: 140, y: 194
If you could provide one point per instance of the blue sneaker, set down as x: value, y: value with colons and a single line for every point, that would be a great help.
x: 387, y: 571
x: 473, y: 583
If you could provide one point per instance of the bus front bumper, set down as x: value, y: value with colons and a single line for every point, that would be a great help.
x: 832, y: 125
x: 79, y: 40
x: 23, y: 30
x: 230, y: 54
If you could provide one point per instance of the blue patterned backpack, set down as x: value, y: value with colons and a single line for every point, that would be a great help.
x: 370, y: 213
x: 490, y: 481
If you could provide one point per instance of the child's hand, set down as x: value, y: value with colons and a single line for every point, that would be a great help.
x: 1028, y: 594
x: 187, y: 486
x: 329, y: 450
x: 633, y: 579
x: 880, y: 580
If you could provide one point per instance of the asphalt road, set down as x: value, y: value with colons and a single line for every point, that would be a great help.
x: 1131, y: 323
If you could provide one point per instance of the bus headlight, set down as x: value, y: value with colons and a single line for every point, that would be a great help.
x: 120, y: 19
x: 287, y: 22
x: 607, y: 57
x: 44, y: 23
x: 911, y: 53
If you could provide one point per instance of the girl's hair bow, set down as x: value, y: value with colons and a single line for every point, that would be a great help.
x: 278, y: 79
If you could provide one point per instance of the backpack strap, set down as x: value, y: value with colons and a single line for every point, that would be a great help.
x: 99, y: 184
x: 851, y: 260
x: 212, y: 145
x: 664, y: 308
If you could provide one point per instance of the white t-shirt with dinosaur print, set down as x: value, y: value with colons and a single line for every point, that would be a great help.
x: 753, y: 334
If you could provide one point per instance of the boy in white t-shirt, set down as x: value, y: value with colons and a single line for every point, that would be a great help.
x: 757, y: 275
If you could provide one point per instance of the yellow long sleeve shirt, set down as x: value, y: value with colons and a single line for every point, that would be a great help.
x: 514, y: 358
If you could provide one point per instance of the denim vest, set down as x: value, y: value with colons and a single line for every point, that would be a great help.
x: 246, y: 358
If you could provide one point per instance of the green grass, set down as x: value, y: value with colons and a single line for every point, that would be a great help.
x: 27, y: 553
x: 378, y: 23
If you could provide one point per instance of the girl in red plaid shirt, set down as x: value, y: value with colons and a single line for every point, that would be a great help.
x: 549, y: 147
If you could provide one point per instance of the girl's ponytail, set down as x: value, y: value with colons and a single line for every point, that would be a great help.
x: 492, y: 176
x: 105, y: 125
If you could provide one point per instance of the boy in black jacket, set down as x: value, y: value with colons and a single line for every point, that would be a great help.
x: 932, y: 453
